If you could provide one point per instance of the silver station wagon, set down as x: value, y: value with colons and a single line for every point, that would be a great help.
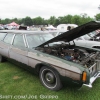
x: 53, y: 58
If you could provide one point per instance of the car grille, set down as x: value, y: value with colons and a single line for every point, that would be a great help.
x: 93, y: 69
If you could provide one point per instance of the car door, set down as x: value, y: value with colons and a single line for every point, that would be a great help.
x: 5, y: 44
x: 18, y: 51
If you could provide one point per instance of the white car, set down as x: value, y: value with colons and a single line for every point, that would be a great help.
x: 88, y: 41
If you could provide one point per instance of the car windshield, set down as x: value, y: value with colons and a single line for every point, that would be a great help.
x: 92, y: 34
x: 86, y: 37
x: 35, y: 40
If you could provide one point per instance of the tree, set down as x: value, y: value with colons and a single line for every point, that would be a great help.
x: 0, y: 20
x: 5, y: 21
x: 76, y: 19
x: 60, y: 18
x: 52, y: 20
x: 85, y: 18
x: 97, y: 17
x: 57, y: 22
x: 20, y: 21
x: 14, y: 20
x: 67, y: 19
x: 38, y: 21
x: 27, y: 21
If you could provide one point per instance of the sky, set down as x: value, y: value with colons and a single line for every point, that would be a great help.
x: 47, y: 8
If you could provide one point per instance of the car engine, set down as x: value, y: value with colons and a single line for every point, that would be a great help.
x: 72, y: 53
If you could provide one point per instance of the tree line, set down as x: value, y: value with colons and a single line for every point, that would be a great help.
x: 75, y: 19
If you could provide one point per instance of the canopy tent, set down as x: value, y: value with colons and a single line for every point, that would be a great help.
x: 50, y: 28
x: 13, y: 24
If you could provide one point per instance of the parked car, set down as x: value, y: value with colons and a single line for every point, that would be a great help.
x: 52, y: 60
x: 91, y: 40
x: 1, y: 28
x: 95, y: 35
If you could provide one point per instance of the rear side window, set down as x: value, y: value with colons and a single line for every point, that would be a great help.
x: 37, y: 39
x: 8, y: 38
x: 34, y: 40
x: 2, y: 35
x: 18, y: 41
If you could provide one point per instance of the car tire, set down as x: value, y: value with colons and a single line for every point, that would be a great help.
x: 50, y: 78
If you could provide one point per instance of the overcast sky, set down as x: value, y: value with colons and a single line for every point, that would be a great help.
x: 47, y: 8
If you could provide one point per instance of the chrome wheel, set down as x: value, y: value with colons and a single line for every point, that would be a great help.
x: 50, y: 78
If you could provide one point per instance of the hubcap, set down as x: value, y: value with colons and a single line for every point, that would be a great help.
x: 49, y: 77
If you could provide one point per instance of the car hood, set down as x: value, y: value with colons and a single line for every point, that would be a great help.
x: 75, y: 33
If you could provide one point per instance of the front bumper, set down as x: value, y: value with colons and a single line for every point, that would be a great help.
x: 92, y: 79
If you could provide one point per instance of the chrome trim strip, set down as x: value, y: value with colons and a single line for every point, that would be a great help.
x: 12, y: 39
x: 92, y: 79
x: 24, y: 41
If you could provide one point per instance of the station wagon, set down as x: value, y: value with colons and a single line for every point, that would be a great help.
x: 53, y: 58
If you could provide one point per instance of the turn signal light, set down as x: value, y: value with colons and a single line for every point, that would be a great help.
x: 84, y: 76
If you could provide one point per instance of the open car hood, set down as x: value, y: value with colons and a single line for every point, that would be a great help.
x: 75, y: 33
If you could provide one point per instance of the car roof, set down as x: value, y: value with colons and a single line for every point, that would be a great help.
x: 23, y: 32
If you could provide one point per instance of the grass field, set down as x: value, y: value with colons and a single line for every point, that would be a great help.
x: 18, y: 84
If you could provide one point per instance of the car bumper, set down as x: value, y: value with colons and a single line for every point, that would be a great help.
x: 92, y: 79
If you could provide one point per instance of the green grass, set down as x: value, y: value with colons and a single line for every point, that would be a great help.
x: 21, y: 84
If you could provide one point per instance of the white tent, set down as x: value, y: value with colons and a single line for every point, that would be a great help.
x: 50, y: 28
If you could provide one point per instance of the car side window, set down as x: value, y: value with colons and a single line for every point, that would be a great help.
x: 18, y: 41
x: 34, y: 40
x: 8, y: 38
x: 2, y: 35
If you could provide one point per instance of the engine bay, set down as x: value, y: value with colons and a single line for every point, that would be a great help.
x: 72, y: 53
